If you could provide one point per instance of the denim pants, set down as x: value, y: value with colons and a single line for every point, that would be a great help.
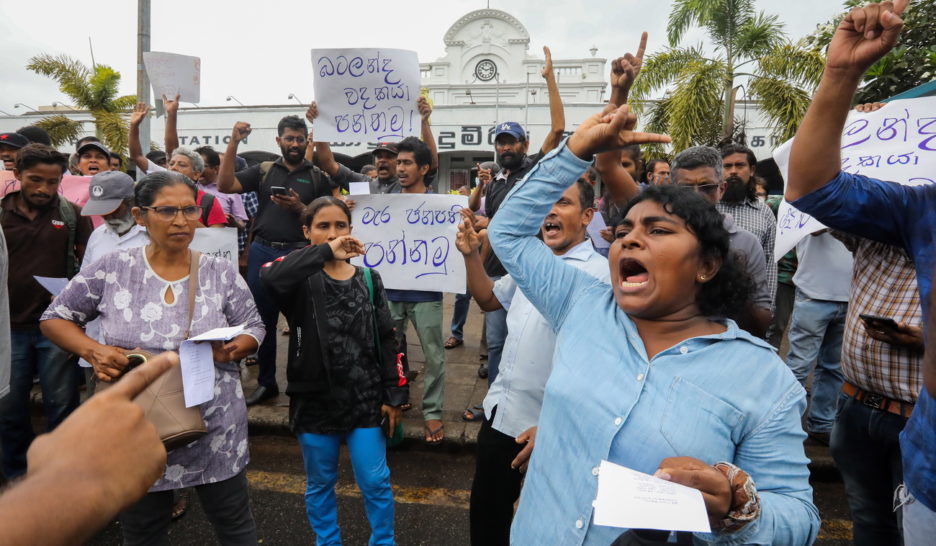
x: 266, y: 306
x: 368, y: 450
x: 32, y: 353
x: 460, y: 314
x: 426, y: 317
x: 866, y: 448
x: 816, y: 329
x: 496, y: 324
x: 919, y: 522
x: 226, y: 505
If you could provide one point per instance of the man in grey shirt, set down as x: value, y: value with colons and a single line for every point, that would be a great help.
x: 700, y: 168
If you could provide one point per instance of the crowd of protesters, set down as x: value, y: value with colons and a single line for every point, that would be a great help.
x: 657, y: 350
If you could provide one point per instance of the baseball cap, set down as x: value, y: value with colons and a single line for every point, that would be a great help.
x: 156, y: 156
x: 14, y: 140
x: 386, y: 147
x: 94, y: 144
x: 106, y: 192
x: 511, y: 128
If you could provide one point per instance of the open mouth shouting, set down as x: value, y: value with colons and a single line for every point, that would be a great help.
x: 552, y: 230
x: 632, y: 275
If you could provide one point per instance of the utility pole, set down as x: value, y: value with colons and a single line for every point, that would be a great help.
x: 143, y: 84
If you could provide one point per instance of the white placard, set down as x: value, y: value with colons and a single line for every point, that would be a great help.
x: 897, y: 143
x: 594, y: 231
x: 410, y: 240
x: 171, y: 74
x: 220, y: 334
x: 198, y: 372
x: 359, y: 188
x: 218, y: 242
x: 634, y: 500
x: 366, y: 94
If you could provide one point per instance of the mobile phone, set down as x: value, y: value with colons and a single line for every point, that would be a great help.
x: 884, y: 323
x: 278, y: 190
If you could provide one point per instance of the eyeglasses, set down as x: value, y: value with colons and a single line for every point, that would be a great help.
x: 707, y: 189
x: 291, y: 139
x: 168, y: 214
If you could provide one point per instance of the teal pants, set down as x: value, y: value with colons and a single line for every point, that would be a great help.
x: 427, y: 320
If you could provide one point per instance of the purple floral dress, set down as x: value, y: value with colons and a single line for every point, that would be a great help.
x: 129, y: 297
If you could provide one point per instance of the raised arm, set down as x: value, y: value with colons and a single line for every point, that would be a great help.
x: 326, y: 159
x: 865, y: 35
x: 171, y: 135
x: 227, y: 182
x: 556, y: 112
x: 425, y: 110
x: 480, y: 285
x: 624, y: 71
x: 484, y: 178
x: 135, y: 150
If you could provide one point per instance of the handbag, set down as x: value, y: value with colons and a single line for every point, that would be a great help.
x: 163, y: 401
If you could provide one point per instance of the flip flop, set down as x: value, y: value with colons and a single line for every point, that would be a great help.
x: 473, y: 414
x: 430, y: 432
x: 453, y: 342
x: 180, y: 507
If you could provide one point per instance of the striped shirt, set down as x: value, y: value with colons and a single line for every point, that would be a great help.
x: 884, y: 283
x: 757, y: 218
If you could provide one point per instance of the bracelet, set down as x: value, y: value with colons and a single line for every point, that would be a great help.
x: 745, y: 504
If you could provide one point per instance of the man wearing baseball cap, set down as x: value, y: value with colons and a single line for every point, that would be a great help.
x: 10, y: 143
x: 93, y: 157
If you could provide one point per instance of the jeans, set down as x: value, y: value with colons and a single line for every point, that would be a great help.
x: 496, y: 324
x: 495, y: 488
x: 816, y: 329
x: 919, y: 522
x: 226, y: 505
x: 368, y: 450
x: 460, y: 314
x: 32, y: 353
x: 266, y: 306
x: 427, y: 319
x: 866, y: 448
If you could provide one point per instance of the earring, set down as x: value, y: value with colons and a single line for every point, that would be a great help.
x: 701, y: 277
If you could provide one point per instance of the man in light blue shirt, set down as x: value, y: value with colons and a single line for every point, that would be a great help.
x: 513, y: 402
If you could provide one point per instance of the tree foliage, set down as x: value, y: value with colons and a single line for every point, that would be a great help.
x: 700, y: 88
x: 93, y: 89
x: 911, y: 63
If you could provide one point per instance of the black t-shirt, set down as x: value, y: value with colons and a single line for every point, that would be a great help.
x: 496, y: 192
x: 273, y: 222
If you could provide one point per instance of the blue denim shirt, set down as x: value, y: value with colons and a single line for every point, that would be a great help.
x: 725, y: 397
x: 903, y: 216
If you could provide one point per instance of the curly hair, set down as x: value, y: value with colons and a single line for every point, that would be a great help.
x: 729, y: 292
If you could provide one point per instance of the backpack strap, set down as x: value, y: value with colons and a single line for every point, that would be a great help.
x: 207, y: 201
x: 368, y: 279
x: 265, y: 169
x: 67, y: 211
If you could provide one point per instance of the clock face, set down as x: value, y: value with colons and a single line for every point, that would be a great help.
x: 485, y: 70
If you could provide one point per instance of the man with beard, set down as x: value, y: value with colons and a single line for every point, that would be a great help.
x: 111, y: 197
x: 284, y: 187
x: 740, y: 201
x: 45, y: 237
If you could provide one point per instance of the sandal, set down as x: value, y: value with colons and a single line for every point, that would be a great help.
x: 431, y: 432
x: 251, y: 360
x: 473, y: 414
x: 453, y: 342
x: 180, y: 507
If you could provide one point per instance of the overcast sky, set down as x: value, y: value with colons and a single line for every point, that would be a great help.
x: 259, y: 50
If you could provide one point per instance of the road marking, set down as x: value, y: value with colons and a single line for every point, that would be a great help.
x: 836, y: 529
x: 281, y: 482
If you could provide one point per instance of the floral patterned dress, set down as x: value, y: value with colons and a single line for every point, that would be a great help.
x: 130, y: 298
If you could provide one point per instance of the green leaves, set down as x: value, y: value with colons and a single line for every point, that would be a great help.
x: 61, y: 129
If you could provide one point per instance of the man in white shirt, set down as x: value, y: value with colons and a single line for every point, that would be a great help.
x: 817, y: 325
x: 513, y: 402
x: 111, y: 197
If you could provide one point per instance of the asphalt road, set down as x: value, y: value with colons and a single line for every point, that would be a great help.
x: 431, y: 492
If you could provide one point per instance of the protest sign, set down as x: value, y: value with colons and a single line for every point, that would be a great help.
x: 171, y: 74
x: 218, y: 242
x: 366, y: 93
x: 410, y: 240
x: 73, y: 188
x: 896, y: 143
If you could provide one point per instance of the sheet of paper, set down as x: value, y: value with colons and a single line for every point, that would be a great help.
x: 171, y: 74
x: 359, y: 188
x: 594, y: 231
x: 219, y: 334
x: 198, y: 372
x: 634, y: 500
x: 52, y: 284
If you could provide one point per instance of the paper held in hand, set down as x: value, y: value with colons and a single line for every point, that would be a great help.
x: 198, y: 371
x: 634, y: 500
x: 171, y: 74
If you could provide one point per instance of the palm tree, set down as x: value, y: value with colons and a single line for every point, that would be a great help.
x: 93, y: 89
x: 700, y: 87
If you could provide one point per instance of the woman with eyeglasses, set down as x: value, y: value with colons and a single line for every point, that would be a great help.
x: 141, y: 297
